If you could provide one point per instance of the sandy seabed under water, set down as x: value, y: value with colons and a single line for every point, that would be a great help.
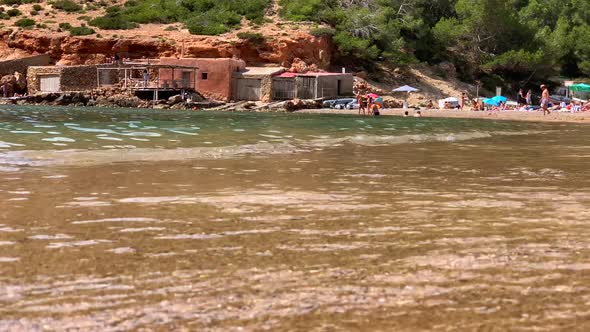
x: 202, y: 221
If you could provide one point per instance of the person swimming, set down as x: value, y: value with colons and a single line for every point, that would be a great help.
x: 375, y: 110
x: 418, y: 114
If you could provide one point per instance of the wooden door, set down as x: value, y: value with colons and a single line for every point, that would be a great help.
x: 49, y: 83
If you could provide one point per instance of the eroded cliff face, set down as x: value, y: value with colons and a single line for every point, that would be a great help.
x: 66, y: 50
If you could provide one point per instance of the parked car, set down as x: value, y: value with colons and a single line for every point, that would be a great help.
x: 353, y: 105
x: 328, y: 103
x: 340, y: 104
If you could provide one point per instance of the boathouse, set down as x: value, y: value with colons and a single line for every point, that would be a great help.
x: 61, y: 78
x: 255, y: 83
x: 312, y: 85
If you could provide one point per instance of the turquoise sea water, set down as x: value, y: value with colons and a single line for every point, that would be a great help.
x: 172, y: 220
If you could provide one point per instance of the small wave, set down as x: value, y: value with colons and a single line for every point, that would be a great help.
x: 93, y: 157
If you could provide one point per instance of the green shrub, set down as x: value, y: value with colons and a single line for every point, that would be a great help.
x: 31, y: 1
x: 37, y: 7
x: 171, y: 28
x: 84, y: 18
x: 323, y: 32
x: 11, y: 2
x: 112, y: 21
x: 253, y: 37
x: 209, y: 17
x: 34, y: 12
x: 41, y: 26
x: 4, y: 16
x: 65, y: 26
x: 81, y: 31
x: 213, y: 22
x: 67, y: 6
x: 302, y: 10
x: 25, y: 23
x: 13, y: 12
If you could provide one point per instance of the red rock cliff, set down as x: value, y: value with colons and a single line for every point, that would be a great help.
x: 281, y: 50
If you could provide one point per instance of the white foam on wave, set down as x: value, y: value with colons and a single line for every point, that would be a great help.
x: 122, y: 250
x: 107, y: 220
x: 9, y: 229
x: 109, y: 138
x: 7, y: 243
x: 182, y: 132
x: 189, y: 237
x: 50, y: 237
x: 9, y: 259
x: 141, y: 229
x: 57, y: 245
x: 59, y: 139
x: 25, y: 132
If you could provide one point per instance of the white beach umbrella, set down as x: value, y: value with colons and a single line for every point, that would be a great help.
x: 405, y: 88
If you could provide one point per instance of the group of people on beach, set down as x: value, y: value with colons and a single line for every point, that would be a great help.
x: 368, y: 105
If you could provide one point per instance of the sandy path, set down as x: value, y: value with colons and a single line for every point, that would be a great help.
x: 583, y: 117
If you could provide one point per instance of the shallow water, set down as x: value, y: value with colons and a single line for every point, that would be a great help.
x: 137, y: 219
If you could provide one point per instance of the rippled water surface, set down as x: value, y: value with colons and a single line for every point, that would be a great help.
x: 136, y: 219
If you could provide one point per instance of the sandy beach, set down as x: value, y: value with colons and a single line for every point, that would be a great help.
x: 583, y: 117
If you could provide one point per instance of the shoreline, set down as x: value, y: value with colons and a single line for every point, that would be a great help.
x: 537, y: 116
x: 118, y: 101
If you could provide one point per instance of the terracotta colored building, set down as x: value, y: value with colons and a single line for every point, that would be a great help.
x: 214, y: 76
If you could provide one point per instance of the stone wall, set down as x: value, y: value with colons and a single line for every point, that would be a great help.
x: 72, y: 78
x: 9, y: 67
x: 266, y: 89
x: 78, y: 78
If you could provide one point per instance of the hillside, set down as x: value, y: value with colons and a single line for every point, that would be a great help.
x: 87, y: 32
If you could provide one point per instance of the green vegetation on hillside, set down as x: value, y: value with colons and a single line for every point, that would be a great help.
x: 521, y: 39
x: 206, y: 17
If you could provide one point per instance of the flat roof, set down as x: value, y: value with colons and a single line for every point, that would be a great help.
x: 290, y: 75
x: 260, y: 71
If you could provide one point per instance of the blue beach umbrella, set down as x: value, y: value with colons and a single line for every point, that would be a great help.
x: 500, y: 99
x: 491, y: 101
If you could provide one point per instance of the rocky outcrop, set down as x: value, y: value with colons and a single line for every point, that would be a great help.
x: 67, y: 50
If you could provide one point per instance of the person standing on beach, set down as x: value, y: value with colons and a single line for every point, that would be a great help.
x: 521, y: 99
x: 545, y: 99
x: 462, y: 101
x: 528, y: 98
x: 359, y: 100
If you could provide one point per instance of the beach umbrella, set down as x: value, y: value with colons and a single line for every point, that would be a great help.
x: 451, y: 100
x: 582, y: 87
x: 405, y: 88
x: 500, y: 99
x: 491, y: 101
x: 373, y: 95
